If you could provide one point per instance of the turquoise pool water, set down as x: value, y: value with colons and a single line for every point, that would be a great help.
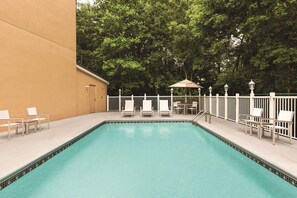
x: 148, y: 160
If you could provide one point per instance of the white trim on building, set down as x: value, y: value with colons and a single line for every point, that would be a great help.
x: 91, y: 74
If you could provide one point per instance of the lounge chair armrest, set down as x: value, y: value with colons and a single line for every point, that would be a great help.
x: 17, y: 119
x: 266, y: 119
x: 279, y: 121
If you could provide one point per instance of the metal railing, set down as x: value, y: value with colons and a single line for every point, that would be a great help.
x: 200, y: 114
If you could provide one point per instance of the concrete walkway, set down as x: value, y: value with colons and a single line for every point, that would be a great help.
x: 21, y: 150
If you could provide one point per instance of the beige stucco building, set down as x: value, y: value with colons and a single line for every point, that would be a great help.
x: 38, y: 61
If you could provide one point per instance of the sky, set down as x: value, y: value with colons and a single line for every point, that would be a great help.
x: 84, y: 1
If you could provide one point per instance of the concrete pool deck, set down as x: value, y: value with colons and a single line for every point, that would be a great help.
x: 22, y: 150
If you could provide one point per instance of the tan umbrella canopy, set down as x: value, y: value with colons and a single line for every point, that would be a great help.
x: 185, y: 84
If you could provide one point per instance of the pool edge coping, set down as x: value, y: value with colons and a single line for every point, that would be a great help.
x: 291, y: 179
x: 18, y: 173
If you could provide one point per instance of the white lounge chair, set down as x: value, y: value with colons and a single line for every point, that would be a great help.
x: 34, y: 116
x: 129, y: 108
x: 193, y: 107
x: 252, y: 119
x: 164, y: 109
x: 284, y: 121
x: 7, y: 121
x: 146, y: 108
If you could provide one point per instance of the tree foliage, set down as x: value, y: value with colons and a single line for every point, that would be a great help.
x: 143, y: 46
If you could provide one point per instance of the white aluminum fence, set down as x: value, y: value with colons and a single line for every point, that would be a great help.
x: 229, y: 107
x: 226, y: 107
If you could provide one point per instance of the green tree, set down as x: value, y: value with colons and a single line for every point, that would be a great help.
x: 132, y: 44
x: 249, y: 40
x: 146, y: 45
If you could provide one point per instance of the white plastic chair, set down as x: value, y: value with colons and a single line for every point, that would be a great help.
x: 9, y: 122
x: 284, y: 121
x: 252, y: 119
x: 164, y: 109
x: 193, y: 107
x: 129, y: 108
x: 176, y: 107
x: 33, y: 115
x: 146, y: 108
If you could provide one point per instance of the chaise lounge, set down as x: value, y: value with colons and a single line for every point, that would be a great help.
x: 146, y: 109
x: 129, y: 108
x: 164, y: 109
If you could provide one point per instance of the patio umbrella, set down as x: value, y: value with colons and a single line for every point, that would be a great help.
x: 185, y: 84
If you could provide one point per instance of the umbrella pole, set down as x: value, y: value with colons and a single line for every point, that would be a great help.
x: 186, y: 95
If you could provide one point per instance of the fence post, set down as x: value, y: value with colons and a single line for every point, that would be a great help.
x: 217, y: 105
x: 272, y: 105
x: 236, y: 107
x: 226, y: 101
x: 120, y: 99
x: 158, y: 103
x: 107, y: 103
x: 210, y: 100
x: 204, y: 99
x: 199, y: 98
x: 252, y: 95
x: 171, y: 98
x: 132, y: 98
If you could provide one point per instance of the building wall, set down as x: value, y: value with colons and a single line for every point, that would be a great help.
x: 51, y: 20
x: 85, y: 85
x: 38, y: 59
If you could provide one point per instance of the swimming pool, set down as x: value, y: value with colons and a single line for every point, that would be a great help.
x: 149, y: 160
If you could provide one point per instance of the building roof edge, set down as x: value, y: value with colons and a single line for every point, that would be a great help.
x: 91, y: 74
